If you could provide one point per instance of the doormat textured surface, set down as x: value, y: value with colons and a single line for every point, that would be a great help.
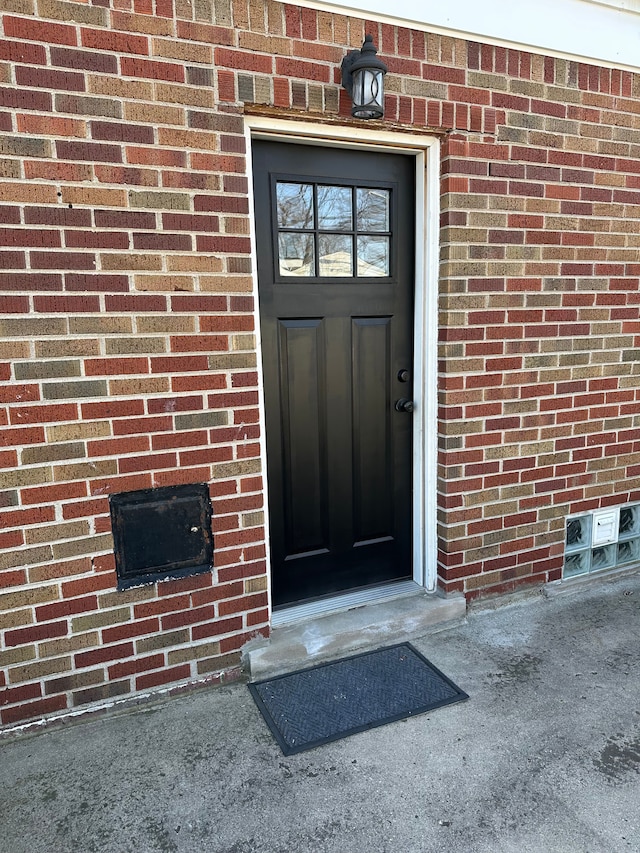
x: 310, y: 707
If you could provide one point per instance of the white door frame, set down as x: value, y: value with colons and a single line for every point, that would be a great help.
x: 426, y: 150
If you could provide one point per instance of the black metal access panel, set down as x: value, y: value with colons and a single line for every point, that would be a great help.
x: 161, y: 533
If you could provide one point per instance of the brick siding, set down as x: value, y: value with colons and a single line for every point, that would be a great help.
x: 128, y: 352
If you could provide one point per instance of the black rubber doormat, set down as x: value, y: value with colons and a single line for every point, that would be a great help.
x: 310, y: 707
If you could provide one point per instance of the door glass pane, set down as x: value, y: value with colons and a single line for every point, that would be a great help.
x: 373, y: 209
x: 373, y: 256
x: 295, y: 205
x: 296, y: 254
x: 335, y: 255
x: 334, y: 208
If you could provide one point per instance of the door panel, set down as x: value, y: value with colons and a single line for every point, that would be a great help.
x: 335, y: 247
x: 371, y: 394
x: 304, y: 441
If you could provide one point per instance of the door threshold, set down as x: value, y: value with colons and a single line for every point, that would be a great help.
x: 335, y: 603
x: 366, y: 620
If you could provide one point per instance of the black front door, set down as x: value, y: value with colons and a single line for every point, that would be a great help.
x: 335, y: 241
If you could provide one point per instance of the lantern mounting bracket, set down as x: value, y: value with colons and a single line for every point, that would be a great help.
x: 347, y: 62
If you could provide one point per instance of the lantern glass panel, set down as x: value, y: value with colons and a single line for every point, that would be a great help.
x: 367, y: 93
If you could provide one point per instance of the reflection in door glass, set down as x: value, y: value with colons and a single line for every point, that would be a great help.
x: 373, y: 256
x: 372, y: 209
x: 296, y: 254
x: 295, y: 205
x: 335, y: 255
x: 319, y: 229
x: 334, y: 208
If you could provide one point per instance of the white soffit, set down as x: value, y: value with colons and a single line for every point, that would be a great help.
x: 602, y: 31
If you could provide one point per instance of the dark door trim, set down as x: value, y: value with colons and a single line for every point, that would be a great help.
x: 426, y: 150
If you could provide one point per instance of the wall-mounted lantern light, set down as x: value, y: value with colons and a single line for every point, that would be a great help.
x: 363, y: 78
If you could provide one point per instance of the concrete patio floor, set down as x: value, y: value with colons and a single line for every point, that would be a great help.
x: 543, y: 758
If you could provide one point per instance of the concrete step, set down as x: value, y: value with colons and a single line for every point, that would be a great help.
x: 314, y: 639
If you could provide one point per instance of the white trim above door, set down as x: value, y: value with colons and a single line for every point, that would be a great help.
x: 426, y: 150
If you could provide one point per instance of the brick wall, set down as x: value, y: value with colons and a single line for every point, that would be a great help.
x: 540, y: 331
x: 128, y: 357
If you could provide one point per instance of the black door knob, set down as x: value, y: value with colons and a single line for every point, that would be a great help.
x: 403, y: 375
x: 403, y: 405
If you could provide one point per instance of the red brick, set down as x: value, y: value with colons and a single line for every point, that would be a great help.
x: 202, y: 342
x: 148, y: 462
x: 205, y: 382
x: 156, y: 157
x: 82, y: 586
x: 136, y: 302
x: 133, y: 426
x: 122, y: 132
x: 161, y: 606
x: 151, y: 69
x: 59, y: 216
x: 295, y: 68
x: 26, y: 517
x: 165, y: 676
x: 44, y: 414
x: 9, y: 214
x: 52, y: 170
x: 103, y: 654
x: 233, y: 399
x: 57, y: 492
x: 66, y: 304
x: 112, y: 409
x: 31, y: 29
x: 16, y: 577
x: 32, y: 710
x: 124, y: 219
x: 244, y: 61
x: 188, y: 617
x: 24, y: 237
x: 116, y: 366
x: 164, y: 8
x: 180, y: 585
x: 85, y: 509
x: 23, y: 693
x: 9, y: 259
x: 142, y: 664
x: 89, y: 61
x: 100, y: 282
x: 221, y: 204
x: 63, y: 260
x: 205, y: 457
x: 161, y: 405
x: 114, y: 42
x: 179, y: 364
x: 60, y: 609
x: 236, y: 642
x: 14, y: 305
x: 163, y: 242
x: 130, y: 630
x: 89, y: 151
x: 23, y: 99
x: 16, y: 51
x: 19, y: 393
x: 41, y: 78
x: 192, y: 31
x: 216, y: 628
x: 35, y: 633
x: 240, y: 605
x: 179, y: 439
x: 118, y: 446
